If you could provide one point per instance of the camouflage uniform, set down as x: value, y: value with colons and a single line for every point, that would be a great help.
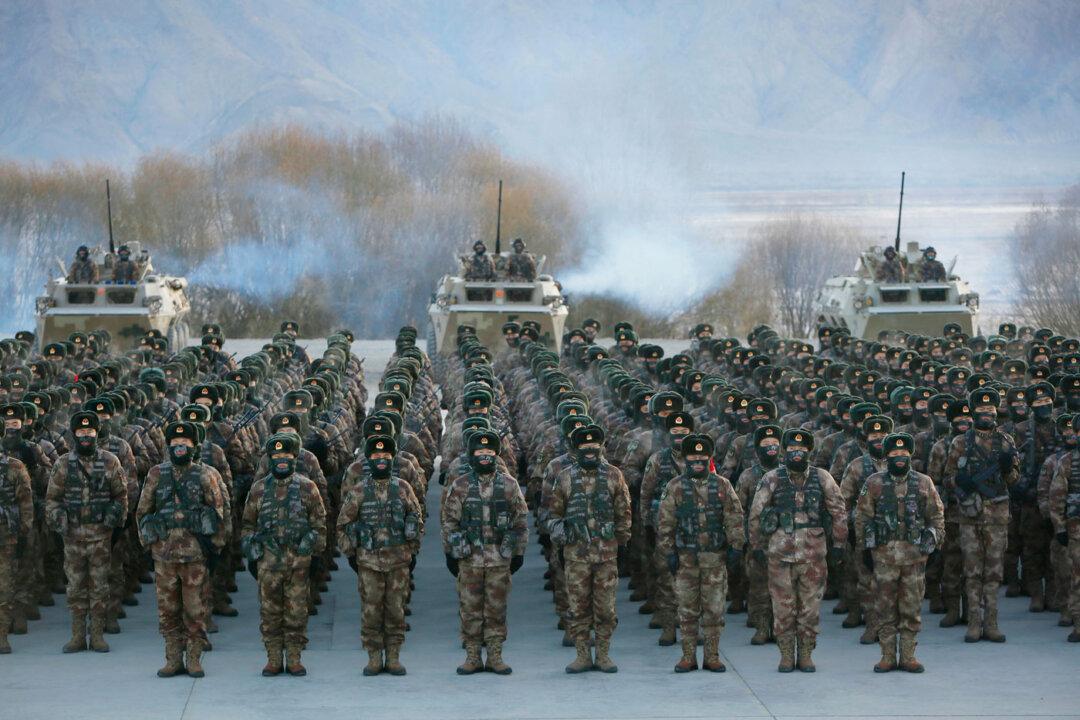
x: 16, y: 526
x: 952, y: 558
x: 83, y: 271
x: 859, y: 588
x: 1064, y: 505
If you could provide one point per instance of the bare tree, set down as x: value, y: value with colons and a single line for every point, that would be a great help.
x: 1045, y: 254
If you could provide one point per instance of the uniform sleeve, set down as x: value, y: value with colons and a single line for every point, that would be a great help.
x: 24, y: 496
x: 665, y: 530
x: 731, y: 458
x: 520, y: 512
x: 251, y: 511
x: 762, y: 498
x: 146, y: 500
x: 54, y: 497
x: 935, y: 510
x: 864, y: 509
x: 839, y: 462
x: 1059, y: 489
x: 1046, y: 475
x: 118, y: 486
x: 835, y: 505
x: 316, y: 516
x: 849, y: 483
x: 346, y: 515
x: 1013, y: 475
x: 954, y: 450
x: 733, y: 514
x: 623, y: 514
x: 214, y: 496
x: 450, y: 513
x: 413, y: 505
x: 648, y: 488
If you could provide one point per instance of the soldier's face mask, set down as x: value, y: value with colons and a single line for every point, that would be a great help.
x: 898, y: 465
x: 876, y: 447
x: 1072, y: 401
x: 697, y: 466
x: 181, y: 454
x: 985, y: 420
x: 86, y: 444
x: 379, y: 467
x: 797, y: 459
x: 677, y: 438
x: 1043, y: 412
x: 961, y: 425
x: 483, y: 461
x: 282, y: 466
x: 588, y: 456
x: 921, y: 415
x: 1018, y: 411
x: 904, y: 413
x: 82, y: 255
x: 769, y: 454
x: 1069, y: 439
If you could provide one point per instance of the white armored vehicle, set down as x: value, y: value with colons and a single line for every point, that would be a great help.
x: 126, y: 309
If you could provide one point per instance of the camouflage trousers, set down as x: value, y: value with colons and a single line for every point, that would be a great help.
x: 1036, y: 532
x: 701, y: 592
x: 858, y: 585
x: 1058, y: 596
x: 663, y: 589
x: 117, y: 577
x: 283, y: 606
x: 382, y: 606
x: 1013, y: 546
x: 482, y: 596
x: 759, y: 604
x: 984, y: 557
x: 1074, y: 577
x: 181, y: 600
x: 952, y: 563
x: 29, y: 573
x: 796, y: 589
x: 8, y: 569
x: 87, y: 566
x: 590, y: 589
x: 558, y: 584
x: 899, y: 595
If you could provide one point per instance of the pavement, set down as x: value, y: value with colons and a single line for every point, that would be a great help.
x: 1036, y: 674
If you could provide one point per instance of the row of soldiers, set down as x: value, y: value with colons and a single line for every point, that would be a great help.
x: 879, y: 468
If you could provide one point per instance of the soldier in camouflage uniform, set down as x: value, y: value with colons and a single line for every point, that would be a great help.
x: 700, y: 532
x: 952, y: 558
x: 83, y: 269
x: 793, y: 509
x: 284, y: 527
x: 87, y: 501
x: 16, y: 526
x: 899, y: 521
x: 479, y: 266
x: 484, y: 533
x: 182, y: 522
x: 589, y: 518
x: 759, y: 604
x: 1064, y: 505
x: 981, y: 467
x: 521, y: 266
x: 379, y: 529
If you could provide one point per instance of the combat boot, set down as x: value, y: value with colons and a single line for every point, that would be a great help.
x: 393, y: 664
x: 472, y: 664
x: 45, y: 598
x: 638, y: 595
x: 273, y: 665
x: 495, y: 662
x: 736, y: 606
x: 1074, y: 636
x: 603, y: 662
x: 77, y: 643
x: 762, y: 630
x: 786, y: 643
x: 688, y: 661
x: 806, y: 649
x: 583, y: 661
x: 952, y: 613
x: 908, y: 663
x: 374, y: 663
x: 1013, y: 589
x: 711, y: 661
x: 18, y: 620
x: 869, y: 635
x: 974, y: 626
x: 1038, y: 602
x: 97, y: 634
x: 647, y: 608
x: 990, y: 631
x: 224, y: 609
x: 293, y: 666
x: 112, y: 625
x: 5, y: 646
x: 854, y: 618
x: 888, y: 655
x: 31, y: 611
x: 174, y: 660
x: 667, y: 633
x: 841, y: 607
x: 194, y: 659
x: 567, y: 639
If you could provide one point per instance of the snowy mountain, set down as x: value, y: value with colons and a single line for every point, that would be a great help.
x: 716, y: 91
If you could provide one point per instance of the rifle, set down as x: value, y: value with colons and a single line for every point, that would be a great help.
x: 246, y: 419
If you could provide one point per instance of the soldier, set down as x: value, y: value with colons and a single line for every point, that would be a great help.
x: 485, y: 534
x: 891, y: 270
x: 522, y: 265
x: 16, y: 526
x: 980, y: 469
x: 379, y: 529
x: 700, y: 533
x: 589, y: 518
x: 1064, y: 505
x: 794, y: 507
x: 83, y: 270
x: 284, y: 527
x: 86, y: 503
x: 181, y: 520
x: 1036, y: 438
x: 479, y: 265
x: 759, y: 605
x: 899, y: 521
x: 931, y: 269
x: 125, y: 270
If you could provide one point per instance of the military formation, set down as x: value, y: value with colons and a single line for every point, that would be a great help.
x: 754, y: 477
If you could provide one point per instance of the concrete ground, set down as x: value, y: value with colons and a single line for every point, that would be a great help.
x: 1035, y: 674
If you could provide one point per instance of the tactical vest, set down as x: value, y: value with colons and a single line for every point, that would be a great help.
x: 376, y: 516
x: 472, y: 512
x: 785, y: 504
x: 1072, y: 497
x: 1035, y: 454
x: 282, y: 522
x: 664, y: 474
x: 976, y: 462
x: 888, y: 518
x: 868, y: 469
x: 580, y: 507
x: 688, y: 525
x: 9, y: 506
x: 100, y: 497
x: 183, y: 497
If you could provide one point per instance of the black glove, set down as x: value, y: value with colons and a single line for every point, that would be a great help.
x: 836, y: 554
x: 253, y: 568
x: 20, y: 547
x: 452, y: 564
x: 673, y: 563
x: 353, y: 565
x: 1063, y: 538
x: 516, y: 562
x: 734, y: 557
x: 868, y: 559
x: 545, y: 541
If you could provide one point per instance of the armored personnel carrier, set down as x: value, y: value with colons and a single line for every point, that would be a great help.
x: 126, y: 309
x: 865, y: 306
x: 485, y: 306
